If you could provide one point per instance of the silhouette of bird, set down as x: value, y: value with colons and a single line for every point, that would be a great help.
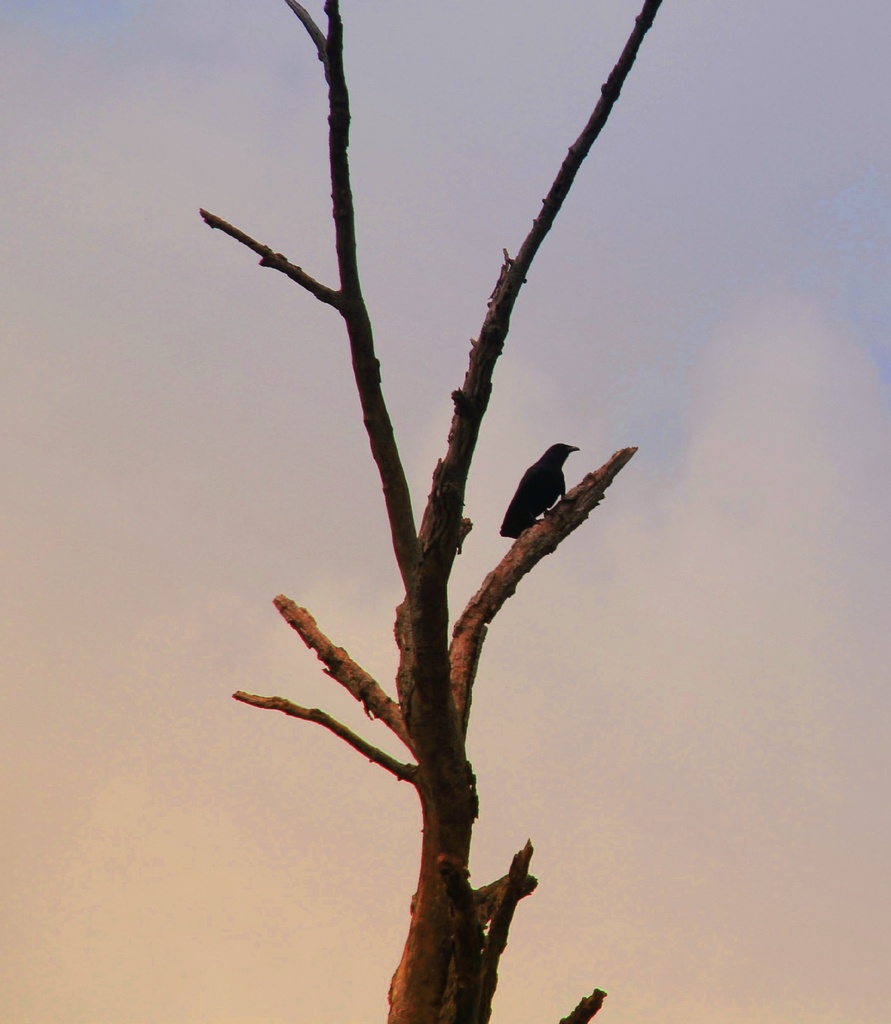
x: 541, y: 486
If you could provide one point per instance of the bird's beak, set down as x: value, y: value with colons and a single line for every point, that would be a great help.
x: 573, y: 448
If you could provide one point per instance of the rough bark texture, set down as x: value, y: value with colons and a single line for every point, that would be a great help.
x: 457, y: 934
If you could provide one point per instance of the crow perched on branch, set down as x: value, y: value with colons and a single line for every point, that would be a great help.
x: 541, y: 486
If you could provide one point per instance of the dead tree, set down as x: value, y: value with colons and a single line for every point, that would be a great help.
x: 457, y: 933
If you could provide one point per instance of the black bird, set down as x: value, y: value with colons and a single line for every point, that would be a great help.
x: 541, y: 486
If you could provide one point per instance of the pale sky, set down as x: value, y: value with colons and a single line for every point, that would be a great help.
x: 686, y: 708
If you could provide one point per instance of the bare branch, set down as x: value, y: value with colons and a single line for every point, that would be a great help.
x: 315, y: 33
x: 496, y: 939
x: 439, y: 527
x: 586, y: 1008
x: 340, y: 666
x: 526, y: 552
x: 275, y: 260
x: 366, y: 368
x: 514, y: 273
x: 404, y: 772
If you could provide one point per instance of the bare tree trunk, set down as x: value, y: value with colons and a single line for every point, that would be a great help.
x: 419, y: 986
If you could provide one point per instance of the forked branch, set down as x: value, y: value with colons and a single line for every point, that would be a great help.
x: 496, y: 939
x: 348, y: 299
x: 404, y: 772
x: 340, y: 666
x: 488, y: 897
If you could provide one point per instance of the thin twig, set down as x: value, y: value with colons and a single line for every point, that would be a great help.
x: 404, y: 772
x: 553, y: 201
x: 275, y: 260
x: 315, y: 33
